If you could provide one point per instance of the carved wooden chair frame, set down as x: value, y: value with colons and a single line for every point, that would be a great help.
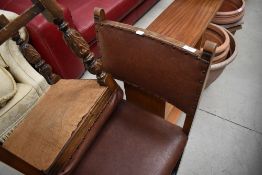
x: 51, y: 10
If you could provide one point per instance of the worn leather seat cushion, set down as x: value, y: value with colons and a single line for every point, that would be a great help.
x: 133, y: 142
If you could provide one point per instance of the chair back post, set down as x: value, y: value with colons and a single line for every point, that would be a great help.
x: 31, y: 55
x: 99, y: 15
x: 207, y: 54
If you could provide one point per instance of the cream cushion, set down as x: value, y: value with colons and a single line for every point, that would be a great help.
x: 2, y: 62
x: 16, y: 109
x: 30, y: 84
x: 8, y: 86
x: 17, y: 64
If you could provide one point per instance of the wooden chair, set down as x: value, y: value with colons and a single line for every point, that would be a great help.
x: 134, y: 141
x: 112, y: 136
x: 54, y: 128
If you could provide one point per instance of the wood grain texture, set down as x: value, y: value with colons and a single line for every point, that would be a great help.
x: 53, y: 123
x: 186, y: 20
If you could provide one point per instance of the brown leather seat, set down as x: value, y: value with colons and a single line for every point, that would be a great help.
x: 133, y: 142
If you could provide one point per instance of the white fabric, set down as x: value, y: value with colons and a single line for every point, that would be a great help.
x: 16, y: 109
x: 30, y: 84
x: 2, y: 62
x: 21, y: 70
x: 7, y: 88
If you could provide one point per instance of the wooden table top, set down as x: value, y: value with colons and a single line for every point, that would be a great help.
x: 186, y: 20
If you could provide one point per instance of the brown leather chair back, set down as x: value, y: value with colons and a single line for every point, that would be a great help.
x: 160, y: 65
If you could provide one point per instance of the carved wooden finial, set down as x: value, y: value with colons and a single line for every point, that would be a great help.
x: 209, y: 51
x: 99, y: 15
x: 32, y: 56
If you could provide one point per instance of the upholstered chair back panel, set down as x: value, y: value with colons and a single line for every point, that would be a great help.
x: 181, y: 69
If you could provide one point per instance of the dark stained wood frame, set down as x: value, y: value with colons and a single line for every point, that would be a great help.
x: 51, y: 10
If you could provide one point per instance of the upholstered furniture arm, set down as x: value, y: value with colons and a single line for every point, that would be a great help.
x: 21, y: 70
